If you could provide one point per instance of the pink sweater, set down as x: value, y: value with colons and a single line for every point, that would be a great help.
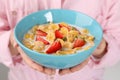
x: 106, y: 12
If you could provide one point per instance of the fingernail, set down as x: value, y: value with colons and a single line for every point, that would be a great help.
x: 61, y: 74
x: 15, y: 45
x: 53, y: 72
x: 40, y: 69
x: 48, y: 73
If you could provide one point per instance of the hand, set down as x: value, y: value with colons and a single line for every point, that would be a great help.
x: 15, y: 49
x: 73, y: 69
x: 101, y: 49
x: 98, y: 53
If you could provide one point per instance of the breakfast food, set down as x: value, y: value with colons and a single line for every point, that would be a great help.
x: 58, y: 38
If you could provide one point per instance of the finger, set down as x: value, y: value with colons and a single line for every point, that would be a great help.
x: 22, y: 53
x: 35, y: 66
x: 80, y: 66
x: 102, y: 44
x: 48, y: 71
x: 53, y: 71
x: 29, y: 61
x: 12, y: 40
x: 15, y: 44
x: 97, y: 52
x: 64, y: 71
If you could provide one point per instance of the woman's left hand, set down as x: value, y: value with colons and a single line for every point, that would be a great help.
x: 98, y: 53
x: 101, y: 49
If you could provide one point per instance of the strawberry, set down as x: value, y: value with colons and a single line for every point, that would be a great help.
x: 58, y: 34
x: 38, y: 38
x: 41, y: 33
x: 54, y: 47
x: 61, y: 25
x: 79, y: 43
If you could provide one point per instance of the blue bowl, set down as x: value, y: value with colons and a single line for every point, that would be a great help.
x: 59, y: 15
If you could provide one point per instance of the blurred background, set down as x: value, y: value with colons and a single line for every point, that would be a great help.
x: 111, y: 73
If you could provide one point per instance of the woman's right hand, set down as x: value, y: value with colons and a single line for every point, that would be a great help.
x: 14, y: 48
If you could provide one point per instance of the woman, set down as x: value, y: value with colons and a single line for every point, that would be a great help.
x: 106, y: 12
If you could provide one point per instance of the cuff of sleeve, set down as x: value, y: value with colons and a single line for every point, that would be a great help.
x: 5, y: 57
x: 95, y: 60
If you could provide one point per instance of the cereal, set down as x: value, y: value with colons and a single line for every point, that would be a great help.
x: 58, y: 38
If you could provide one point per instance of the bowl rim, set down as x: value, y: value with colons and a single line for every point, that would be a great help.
x: 67, y: 55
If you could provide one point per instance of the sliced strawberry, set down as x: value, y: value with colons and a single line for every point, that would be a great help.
x: 58, y: 34
x: 41, y: 33
x: 38, y: 38
x: 54, y: 47
x: 61, y: 25
x: 79, y: 43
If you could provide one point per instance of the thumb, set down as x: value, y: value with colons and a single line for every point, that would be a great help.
x: 12, y: 40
